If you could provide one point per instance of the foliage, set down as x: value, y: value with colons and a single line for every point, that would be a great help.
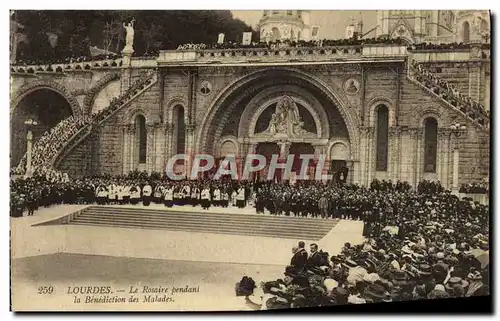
x: 57, y: 34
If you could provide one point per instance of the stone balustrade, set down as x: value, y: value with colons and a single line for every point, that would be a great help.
x: 67, y: 67
x: 284, y: 54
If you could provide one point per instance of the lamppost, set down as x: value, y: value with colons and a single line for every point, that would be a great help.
x: 30, y: 123
x: 456, y: 130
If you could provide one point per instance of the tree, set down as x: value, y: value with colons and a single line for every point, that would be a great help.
x: 79, y: 29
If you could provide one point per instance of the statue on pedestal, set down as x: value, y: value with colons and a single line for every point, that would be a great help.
x: 129, y: 38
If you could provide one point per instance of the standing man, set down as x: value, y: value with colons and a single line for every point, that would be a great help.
x: 323, y: 206
x: 217, y: 196
x: 205, y: 198
x: 135, y: 194
x: 240, y: 197
x: 315, y: 259
x: 169, y: 196
x: 147, y: 190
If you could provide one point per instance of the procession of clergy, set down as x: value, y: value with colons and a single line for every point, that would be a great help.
x: 170, y: 194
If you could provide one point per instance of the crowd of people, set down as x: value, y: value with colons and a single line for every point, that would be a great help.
x: 444, y: 46
x: 50, y: 143
x: 419, y: 245
x: 291, y: 43
x: 475, y: 188
x: 449, y: 93
x: 67, y: 60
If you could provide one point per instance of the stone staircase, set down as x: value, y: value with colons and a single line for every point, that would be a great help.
x: 482, y: 123
x: 205, y: 222
x: 127, y: 97
x: 147, y: 83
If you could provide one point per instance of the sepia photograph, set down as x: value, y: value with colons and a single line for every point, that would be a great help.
x: 232, y: 160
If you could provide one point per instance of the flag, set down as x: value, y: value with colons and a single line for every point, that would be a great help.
x: 247, y: 38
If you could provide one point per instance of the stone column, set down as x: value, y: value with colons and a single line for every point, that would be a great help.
x: 363, y: 155
x: 159, y: 157
x: 29, y: 151
x: 168, y: 129
x: 443, y: 156
x: 150, y: 149
x: 320, y: 149
x: 456, y: 160
x: 128, y: 131
x: 394, y: 153
x: 415, y: 137
x: 132, y: 160
x: 370, y: 152
x: 189, y: 149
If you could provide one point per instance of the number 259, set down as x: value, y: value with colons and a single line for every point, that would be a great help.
x: 45, y: 289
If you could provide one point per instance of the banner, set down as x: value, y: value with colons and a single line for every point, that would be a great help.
x: 247, y: 38
x: 221, y: 38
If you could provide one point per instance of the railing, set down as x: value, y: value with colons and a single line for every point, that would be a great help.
x: 45, y: 148
x: 469, y: 108
x: 66, y: 67
x: 280, y: 54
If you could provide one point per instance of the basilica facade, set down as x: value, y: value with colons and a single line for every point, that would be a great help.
x: 360, y: 106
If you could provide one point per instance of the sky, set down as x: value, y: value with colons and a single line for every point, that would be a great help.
x: 332, y: 22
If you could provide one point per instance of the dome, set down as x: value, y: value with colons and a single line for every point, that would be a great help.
x: 282, y: 25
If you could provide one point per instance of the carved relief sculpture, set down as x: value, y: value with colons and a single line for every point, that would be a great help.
x: 286, y: 121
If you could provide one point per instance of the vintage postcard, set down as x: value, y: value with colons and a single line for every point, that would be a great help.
x: 248, y: 160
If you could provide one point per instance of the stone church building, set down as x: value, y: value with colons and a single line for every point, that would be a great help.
x: 360, y: 105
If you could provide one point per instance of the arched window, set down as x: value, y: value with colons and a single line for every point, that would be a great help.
x: 141, y: 137
x: 181, y: 130
x: 382, y: 138
x: 466, y: 32
x: 430, y: 145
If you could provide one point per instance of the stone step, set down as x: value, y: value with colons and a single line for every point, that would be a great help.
x: 189, y: 220
x: 205, y: 215
x: 208, y: 222
x: 200, y: 228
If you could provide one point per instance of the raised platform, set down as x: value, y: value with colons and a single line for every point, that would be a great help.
x: 195, y: 219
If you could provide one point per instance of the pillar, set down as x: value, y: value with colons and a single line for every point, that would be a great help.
x: 395, y: 154
x: 132, y: 150
x: 29, y: 152
x: 370, y: 151
x: 320, y: 149
x: 126, y: 149
x: 433, y: 23
x: 168, y: 129
x: 189, y: 149
x: 415, y: 137
x: 456, y: 159
x: 150, y: 149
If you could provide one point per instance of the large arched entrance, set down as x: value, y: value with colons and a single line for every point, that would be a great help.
x: 46, y: 106
x: 245, y: 110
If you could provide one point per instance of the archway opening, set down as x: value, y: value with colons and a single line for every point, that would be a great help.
x: 430, y: 144
x: 47, y: 107
x: 141, y: 139
x: 466, y: 32
x: 180, y: 130
x: 382, y: 138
